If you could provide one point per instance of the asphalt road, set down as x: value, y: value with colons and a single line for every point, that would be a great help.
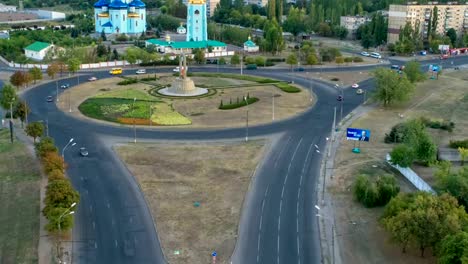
x: 278, y: 223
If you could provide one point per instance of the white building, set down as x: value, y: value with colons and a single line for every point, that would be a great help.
x: 37, y: 50
x: 250, y: 46
x: 7, y: 8
x: 352, y: 23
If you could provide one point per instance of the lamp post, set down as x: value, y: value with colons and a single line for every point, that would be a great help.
x: 56, y: 91
x: 63, y: 151
x: 134, y: 124
x: 67, y: 212
x: 342, y: 100
x: 11, y: 109
x: 273, y: 106
x: 332, y: 232
x: 247, y: 121
x: 47, y: 125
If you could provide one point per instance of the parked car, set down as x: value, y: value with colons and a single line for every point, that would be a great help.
x: 339, y: 98
x: 359, y: 91
x: 365, y: 54
x: 395, y: 67
x: 92, y: 79
x: 444, y: 56
x: 141, y: 71
x: 355, y: 86
x: 299, y: 69
x: 376, y: 55
x: 177, y: 69
x: 65, y: 86
x: 251, y: 66
x: 83, y: 152
x: 50, y: 99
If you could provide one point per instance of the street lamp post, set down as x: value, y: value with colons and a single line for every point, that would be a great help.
x: 47, y: 126
x: 63, y: 151
x: 11, y: 109
x: 273, y: 106
x: 332, y: 233
x: 67, y: 212
x: 134, y: 124
x: 56, y: 91
x: 247, y: 121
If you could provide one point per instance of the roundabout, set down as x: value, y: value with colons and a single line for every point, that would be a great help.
x: 277, y: 222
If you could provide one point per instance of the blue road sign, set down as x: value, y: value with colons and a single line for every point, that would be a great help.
x: 358, y: 134
x: 214, y: 254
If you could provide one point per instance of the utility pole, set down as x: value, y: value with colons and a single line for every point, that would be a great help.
x: 273, y: 106
x: 241, y: 64
x: 56, y: 91
x: 247, y: 121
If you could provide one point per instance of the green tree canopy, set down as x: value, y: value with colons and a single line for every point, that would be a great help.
x: 391, y: 87
x: 73, y: 65
x: 36, y: 74
x: 454, y: 249
x: 8, y: 95
x: 413, y: 72
x: 35, y: 130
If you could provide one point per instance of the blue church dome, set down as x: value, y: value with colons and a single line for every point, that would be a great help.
x: 137, y: 3
x: 101, y: 3
x: 118, y: 4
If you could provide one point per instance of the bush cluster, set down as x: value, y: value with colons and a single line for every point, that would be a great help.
x: 459, y: 143
x: 149, y: 79
x: 288, y: 88
x: 436, y: 124
x: 60, y: 194
x: 358, y: 59
x: 128, y: 81
x: 397, y: 133
x: 238, y: 103
x: 375, y: 193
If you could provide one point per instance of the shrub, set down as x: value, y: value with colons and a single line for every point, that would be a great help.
x: 397, y: 133
x: 45, y: 146
x: 402, y: 155
x: 378, y: 193
x: 459, y: 144
x: 357, y: 59
x: 239, y: 103
x: 348, y: 59
x: 127, y: 81
x: 436, y: 124
x: 339, y: 60
x: 288, y: 88
x: 335, y: 79
x: 52, y: 161
x: 59, y: 194
x: 56, y: 175
x: 148, y: 79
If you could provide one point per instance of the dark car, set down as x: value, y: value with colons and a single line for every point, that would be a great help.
x: 50, y: 99
x: 251, y: 66
x: 339, y: 98
x: 65, y: 86
x: 83, y: 152
x: 299, y: 69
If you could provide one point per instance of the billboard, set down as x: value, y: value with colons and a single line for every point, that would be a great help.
x: 358, y: 134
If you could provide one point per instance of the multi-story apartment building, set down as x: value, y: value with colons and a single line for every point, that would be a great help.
x: 450, y: 15
x: 258, y: 2
x: 352, y: 23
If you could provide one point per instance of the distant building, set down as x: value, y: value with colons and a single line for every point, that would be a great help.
x: 37, y: 50
x: 352, y: 23
x: 181, y: 30
x: 164, y: 46
x: 4, y: 35
x: 250, y: 46
x: 260, y: 3
x: 7, y: 8
x: 120, y: 16
x: 450, y: 15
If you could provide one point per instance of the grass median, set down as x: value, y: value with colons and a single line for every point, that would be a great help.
x: 19, y: 202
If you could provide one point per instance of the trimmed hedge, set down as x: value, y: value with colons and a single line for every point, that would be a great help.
x: 127, y: 81
x: 285, y: 87
x: 459, y: 144
x: 241, y: 103
x: 237, y: 77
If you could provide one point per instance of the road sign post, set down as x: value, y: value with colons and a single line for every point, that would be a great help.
x: 213, y: 256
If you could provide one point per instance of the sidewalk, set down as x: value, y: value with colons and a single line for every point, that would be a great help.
x: 329, y: 246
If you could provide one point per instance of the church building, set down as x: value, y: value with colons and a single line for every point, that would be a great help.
x: 197, y: 29
x: 120, y: 16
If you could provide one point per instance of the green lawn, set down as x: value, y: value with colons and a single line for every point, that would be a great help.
x: 127, y: 94
x: 19, y: 203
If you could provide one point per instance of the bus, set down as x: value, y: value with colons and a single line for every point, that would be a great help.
x: 115, y: 71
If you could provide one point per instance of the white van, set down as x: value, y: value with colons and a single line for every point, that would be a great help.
x: 375, y: 55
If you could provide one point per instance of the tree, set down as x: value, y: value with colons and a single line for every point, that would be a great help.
x: 103, y: 36
x: 413, y: 72
x: 73, y: 65
x: 454, y: 249
x: 391, y: 87
x: 35, y: 130
x: 7, y: 96
x: 36, y: 73
x: 452, y: 34
x: 59, y: 194
x: 44, y: 146
x: 291, y: 59
x: 339, y: 60
x: 324, y: 30
x: 53, y: 215
x: 402, y: 155
x: 434, y: 17
x: 235, y: 59
x: 27, y: 78
x: 463, y: 154
x: 295, y: 21
x: 199, y: 56
x: 53, y: 69
x: 340, y: 32
x: 17, y: 79
x: 425, y: 149
x: 454, y: 183
x: 312, y: 59
x: 53, y: 161
x: 21, y: 111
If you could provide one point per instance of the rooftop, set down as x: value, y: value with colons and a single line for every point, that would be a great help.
x: 187, y: 44
x: 37, y: 46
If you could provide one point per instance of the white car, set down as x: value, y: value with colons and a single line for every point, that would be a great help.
x: 141, y: 71
x: 355, y: 86
x: 376, y: 55
x: 177, y: 69
x: 365, y: 54
x: 359, y: 91
x: 92, y: 79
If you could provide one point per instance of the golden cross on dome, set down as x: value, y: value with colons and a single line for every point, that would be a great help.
x: 196, y: 2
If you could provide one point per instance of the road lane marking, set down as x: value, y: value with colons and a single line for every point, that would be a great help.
x: 281, y: 205
x: 91, y: 208
x: 278, y: 260
x: 279, y: 223
x: 116, y: 244
x: 279, y: 155
x: 94, y: 225
x: 108, y: 205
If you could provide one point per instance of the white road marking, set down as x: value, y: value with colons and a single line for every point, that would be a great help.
x: 279, y: 224
x: 95, y: 244
x: 282, y: 192
x: 281, y: 205
x: 91, y: 208
x: 131, y: 219
x: 94, y: 225
x: 116, y: 244
x: 108, y: 205
x: 278, y: 249
x: 279, y: 155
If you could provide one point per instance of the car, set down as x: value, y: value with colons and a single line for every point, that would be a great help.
x: 65, y: 86
x: 359, y: 91
x: 92, y: 79
x: 376, y: 55
x: 299, y: 69
x: 177, y: 69
x: 355, y: 86
x: 141, y: 71
x: 50, y: 99
x: 444, y: 56
x: 365, y: 54
x: 395, y: 67
x: 251, y: 66
x: 83, y: 152
x: 339, y: 98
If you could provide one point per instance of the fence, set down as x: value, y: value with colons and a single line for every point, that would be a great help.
x: 82, y: 66
x: 414, y: 178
